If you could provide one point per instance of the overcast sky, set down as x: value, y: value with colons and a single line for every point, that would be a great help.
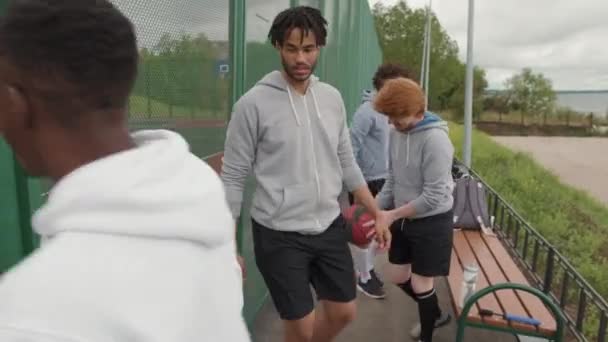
x: 567, y: 40
x: 152, y: 18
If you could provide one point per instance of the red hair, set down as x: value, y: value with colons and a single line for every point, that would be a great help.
x: 400, y: 97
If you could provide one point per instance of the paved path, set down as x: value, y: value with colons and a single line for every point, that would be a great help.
x: 579, y: 162
x: 387, y: 320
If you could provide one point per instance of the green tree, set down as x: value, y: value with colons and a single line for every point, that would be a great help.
x: 182, y: 71
x: 532, y: 93
x: 456, y: 101
x: 401, y: 34
x: 185, y: 46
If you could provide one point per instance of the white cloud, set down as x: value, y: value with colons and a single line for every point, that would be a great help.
x: 564, y: 39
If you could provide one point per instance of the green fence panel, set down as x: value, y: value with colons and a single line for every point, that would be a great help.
x: 353, y: 52
x: 20, y: 197
x: 11, y: 246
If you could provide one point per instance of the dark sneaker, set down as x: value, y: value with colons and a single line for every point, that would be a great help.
x: 375, y: 278
x: 442, y: 321
x: 371, y: 289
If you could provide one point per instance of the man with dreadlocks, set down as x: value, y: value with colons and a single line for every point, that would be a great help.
x: 290, y: 129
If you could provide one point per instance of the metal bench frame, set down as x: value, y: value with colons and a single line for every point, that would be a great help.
x: 463, y: 322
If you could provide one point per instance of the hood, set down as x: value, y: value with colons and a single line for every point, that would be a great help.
x: 430, y: 121
x: 367, y: 95
x: 276, y: 81
x: 156, y: 190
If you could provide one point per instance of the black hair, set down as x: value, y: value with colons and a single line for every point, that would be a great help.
x: 389, y: 71
x: 307, y: 19
x: 75, y: 53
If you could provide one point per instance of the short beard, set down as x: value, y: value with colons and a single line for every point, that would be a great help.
x: 295, y: 78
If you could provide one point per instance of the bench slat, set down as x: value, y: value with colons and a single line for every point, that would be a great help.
x: 509, y: 301
x: 533, y: 305
x: 455, y: 281
x: 466, y: 256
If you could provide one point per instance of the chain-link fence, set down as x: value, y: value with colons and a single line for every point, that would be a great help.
x: 184, y: 73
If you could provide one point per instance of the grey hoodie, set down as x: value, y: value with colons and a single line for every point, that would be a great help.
x: 299, y: 150
x: 369, y: 132
x: 420, y: 168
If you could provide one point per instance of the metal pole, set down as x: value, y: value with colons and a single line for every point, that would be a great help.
x: 468, y: 99
x: 429, y: 31
x: 237, y: 56
x: 237, y: 49
x: 423, y: 64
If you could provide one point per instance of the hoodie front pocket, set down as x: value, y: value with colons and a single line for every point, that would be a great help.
x: 299, y: 201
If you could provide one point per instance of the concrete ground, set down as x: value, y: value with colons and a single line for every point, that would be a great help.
x: 579, y: 162
x: 387, y: 320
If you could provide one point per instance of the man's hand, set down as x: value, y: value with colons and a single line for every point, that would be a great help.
x: 241, y: 262
x: 382, y: 231
x: 382, y: 219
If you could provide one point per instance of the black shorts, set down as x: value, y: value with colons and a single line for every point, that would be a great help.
x: 374, y: 186
x: 290, y: 262
x: 425, y: 243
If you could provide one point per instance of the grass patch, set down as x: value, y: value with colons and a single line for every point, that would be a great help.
x: 574, y: 222
x: 141, y: 107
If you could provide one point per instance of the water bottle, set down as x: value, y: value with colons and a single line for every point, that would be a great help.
x: 469, y: 281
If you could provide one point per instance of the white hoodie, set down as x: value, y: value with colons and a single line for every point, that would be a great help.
x: 140, y: 248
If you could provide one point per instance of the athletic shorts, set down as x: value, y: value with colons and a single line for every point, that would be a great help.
x: 425, y: 243
x: 290, y: 262
x: 375, y: 186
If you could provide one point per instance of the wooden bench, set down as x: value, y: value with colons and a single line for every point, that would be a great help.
x: 498, y: 274
x: 215, y: 161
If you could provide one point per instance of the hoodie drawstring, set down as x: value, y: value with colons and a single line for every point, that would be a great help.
x: 293, y: 107
x: 407, y: 152
x: 314, y: 99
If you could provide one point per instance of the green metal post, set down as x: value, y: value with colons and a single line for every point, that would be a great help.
x: 237, y: 53
x: 25, y: 209
x: 321, y: 64
x: 11, y: 249
x: 555, y: 310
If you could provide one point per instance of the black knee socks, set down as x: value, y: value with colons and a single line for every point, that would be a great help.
x: 407, y: 288
x: 428, y: 309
